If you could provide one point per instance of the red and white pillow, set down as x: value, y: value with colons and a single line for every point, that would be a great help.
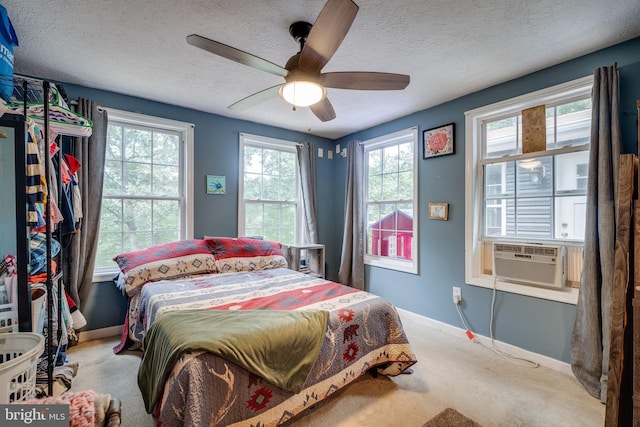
x: 246, y: 254
x: 167, y: 261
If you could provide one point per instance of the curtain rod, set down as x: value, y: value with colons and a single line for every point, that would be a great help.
x: 100, y: 108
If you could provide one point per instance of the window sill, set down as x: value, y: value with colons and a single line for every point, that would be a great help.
x: 104, y: 275
x: 390, y: 264
x: 564, y: 295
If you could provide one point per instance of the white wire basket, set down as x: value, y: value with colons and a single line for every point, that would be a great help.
x: 19, y: 354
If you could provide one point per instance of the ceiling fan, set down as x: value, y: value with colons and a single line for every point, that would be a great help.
x: 305, y: 84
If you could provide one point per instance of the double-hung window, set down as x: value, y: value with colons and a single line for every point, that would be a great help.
x: 391, y: 188
x: 521, y: 196
x: 269, y: 195
x: 148, y: 186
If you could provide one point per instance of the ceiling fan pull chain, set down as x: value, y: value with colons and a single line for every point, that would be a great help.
x: 294, y: 97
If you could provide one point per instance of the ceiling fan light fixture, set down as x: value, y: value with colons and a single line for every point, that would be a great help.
x: 302, y: 93
x: 530, y: 164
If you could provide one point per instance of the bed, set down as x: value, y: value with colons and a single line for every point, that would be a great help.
x: 230, y: 336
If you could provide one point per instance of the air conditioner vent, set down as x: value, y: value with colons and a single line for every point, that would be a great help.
x: 503, y: 247
x: 541, y: 250
x: 530, y: 264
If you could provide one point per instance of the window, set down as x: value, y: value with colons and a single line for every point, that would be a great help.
x: 532, y: 197
x: 391, y: 188
x: 148, y: 188
x: 269, y: 193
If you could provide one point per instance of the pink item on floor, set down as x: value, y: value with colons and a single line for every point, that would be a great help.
x: 82, y: 412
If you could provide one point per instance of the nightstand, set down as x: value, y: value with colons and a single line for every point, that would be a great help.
x: 307, y: 258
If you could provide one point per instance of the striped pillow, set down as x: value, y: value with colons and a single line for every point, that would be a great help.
x: 167, y: 261
x: 246, y: 254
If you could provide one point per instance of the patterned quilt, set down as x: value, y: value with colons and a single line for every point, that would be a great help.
x: 364, y: 333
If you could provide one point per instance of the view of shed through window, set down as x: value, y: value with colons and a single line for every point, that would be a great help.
x: 390, y: 163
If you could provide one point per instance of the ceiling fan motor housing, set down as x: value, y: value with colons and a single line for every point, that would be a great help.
x: 295, y: 73
x: 300, y: 31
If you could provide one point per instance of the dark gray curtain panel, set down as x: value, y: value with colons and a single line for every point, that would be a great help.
x: 589, y: 351
x: 307, y: 173
x: 351, y: 271
x: 91, y: 154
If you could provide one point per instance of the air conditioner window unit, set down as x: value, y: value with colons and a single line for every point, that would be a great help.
x: 530, y: 264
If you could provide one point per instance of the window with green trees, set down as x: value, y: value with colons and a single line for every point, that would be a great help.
x: 269, y: 192
x: 144, y: 200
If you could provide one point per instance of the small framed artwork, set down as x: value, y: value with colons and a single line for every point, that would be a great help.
x: 438, y: 210
x: 216, y: 184
x: 438, y: 141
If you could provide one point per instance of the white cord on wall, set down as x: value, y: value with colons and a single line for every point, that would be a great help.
x: 494, y: 346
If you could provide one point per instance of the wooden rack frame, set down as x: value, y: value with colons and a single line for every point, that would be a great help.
x: 623, y: 388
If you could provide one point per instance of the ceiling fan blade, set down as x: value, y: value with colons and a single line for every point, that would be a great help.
x: 236, y: 55
x: 364, y: 80
x: 323, y: 110
x: 327, y: 33
x: 255, y: 99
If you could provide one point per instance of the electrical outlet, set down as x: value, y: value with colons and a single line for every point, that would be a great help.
x: 457, y: 295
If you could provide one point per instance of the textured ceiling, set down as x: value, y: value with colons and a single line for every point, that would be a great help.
x: 449, y: 48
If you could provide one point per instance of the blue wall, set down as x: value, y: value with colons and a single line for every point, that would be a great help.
x: 538, y: 325
x: 216, y: 153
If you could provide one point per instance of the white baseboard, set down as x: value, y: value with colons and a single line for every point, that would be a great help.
x: 541, y: 359
x: 546, y: 361
x: 96, y: 334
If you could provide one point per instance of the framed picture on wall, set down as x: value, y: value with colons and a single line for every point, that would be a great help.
x: 216, y: 184
x: 437, y: 210
x: 438, y: 141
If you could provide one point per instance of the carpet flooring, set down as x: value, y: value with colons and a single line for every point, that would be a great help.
x: 452, y: 372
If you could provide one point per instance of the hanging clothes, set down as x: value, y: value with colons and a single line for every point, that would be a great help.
x: 36, y: 206
x: 68, y: 223
x: 76, y: 199
x: 34, y: 182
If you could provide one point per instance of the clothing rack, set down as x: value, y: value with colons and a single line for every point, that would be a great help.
x: 30, y: 92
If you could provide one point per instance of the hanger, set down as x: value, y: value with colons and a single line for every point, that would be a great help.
x: 61, y: 119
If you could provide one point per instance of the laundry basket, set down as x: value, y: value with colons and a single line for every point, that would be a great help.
x: 19, y: 353
x: 8, y: 318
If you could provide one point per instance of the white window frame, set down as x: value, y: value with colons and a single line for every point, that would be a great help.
x: 380, y: 142
x: 250, y: 140
x: 186, y: 132
x: 474, y: 146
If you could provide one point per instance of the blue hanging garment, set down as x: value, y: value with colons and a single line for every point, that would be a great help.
x: 8, y: 40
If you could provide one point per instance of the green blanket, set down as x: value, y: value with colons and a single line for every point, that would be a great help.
x: 279, y: 346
